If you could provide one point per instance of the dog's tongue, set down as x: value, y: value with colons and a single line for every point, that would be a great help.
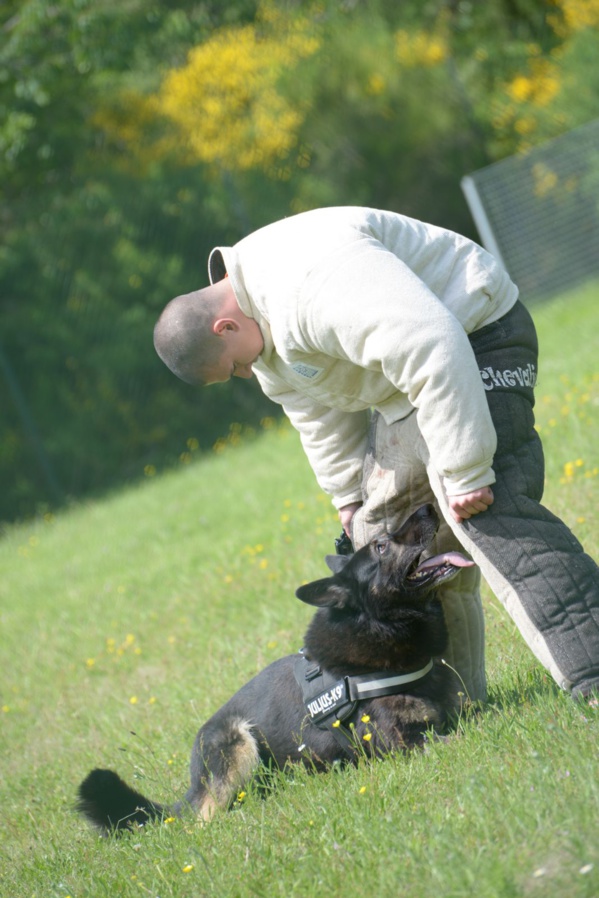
x: 453, y: 558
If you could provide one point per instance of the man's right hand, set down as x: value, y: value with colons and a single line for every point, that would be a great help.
x: 464, y: 507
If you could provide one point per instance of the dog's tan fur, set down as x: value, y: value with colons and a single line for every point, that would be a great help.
x: 243, y: 759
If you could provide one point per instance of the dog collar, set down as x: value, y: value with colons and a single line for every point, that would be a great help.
x: 327, y: 696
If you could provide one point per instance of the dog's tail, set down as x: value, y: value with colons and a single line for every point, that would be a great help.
x: 111, y: 805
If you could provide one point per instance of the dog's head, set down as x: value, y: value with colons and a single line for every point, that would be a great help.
x: 390, y: 568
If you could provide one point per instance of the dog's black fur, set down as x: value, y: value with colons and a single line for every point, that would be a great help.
x: 377, y: 612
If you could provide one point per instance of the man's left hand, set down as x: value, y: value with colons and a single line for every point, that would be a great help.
x: 346, y: 514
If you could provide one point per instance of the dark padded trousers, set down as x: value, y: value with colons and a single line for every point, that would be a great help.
x: 533, y: 563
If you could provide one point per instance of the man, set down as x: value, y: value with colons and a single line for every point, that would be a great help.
x: 402, y: 355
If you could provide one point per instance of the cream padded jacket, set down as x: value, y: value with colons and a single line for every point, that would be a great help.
x: 361, y: 309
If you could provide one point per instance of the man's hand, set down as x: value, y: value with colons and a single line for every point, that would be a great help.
x: 463, y: 507
x: 346, y: 514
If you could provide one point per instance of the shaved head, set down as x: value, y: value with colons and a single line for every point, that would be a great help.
x: 183, y: 336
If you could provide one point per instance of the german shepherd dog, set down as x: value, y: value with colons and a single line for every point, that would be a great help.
x: 378, y: 627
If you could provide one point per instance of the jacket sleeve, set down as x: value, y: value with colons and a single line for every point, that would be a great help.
x: 371, y: 309
x: 334, y: 441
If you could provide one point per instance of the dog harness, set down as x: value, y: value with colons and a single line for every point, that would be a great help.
x: 330, y: 700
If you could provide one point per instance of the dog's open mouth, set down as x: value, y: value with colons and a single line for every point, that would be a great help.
x: 438, y: 568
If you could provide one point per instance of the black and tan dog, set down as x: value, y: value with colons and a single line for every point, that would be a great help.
x: 365, y: 684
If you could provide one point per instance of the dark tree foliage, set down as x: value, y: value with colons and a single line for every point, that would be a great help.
x: 90, y: 254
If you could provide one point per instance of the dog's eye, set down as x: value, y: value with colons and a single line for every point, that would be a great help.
x: 381, y: 547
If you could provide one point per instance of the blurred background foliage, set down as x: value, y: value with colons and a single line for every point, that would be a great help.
x: 135, y: 136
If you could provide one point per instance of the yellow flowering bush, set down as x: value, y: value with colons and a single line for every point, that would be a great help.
x: 536, y: 103
x: 539, y: 86
x: 420, y: 48
x: 574, y: 15
x: 224, y: 107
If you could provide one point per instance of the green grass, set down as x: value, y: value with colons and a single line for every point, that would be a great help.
x: 124, y: 623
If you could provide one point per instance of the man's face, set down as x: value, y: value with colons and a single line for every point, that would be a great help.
x: 242, y: 344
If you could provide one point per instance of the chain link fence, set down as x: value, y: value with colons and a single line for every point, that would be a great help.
x: 538, y: 212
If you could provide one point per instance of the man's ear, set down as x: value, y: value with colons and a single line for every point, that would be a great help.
x: 224, y: 325
x: 325, y: 593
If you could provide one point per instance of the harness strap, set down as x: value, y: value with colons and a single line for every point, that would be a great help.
x: 330, y: 700
x: 374, y: 685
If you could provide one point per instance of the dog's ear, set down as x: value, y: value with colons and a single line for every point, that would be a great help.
x: 336, y: 563
x: 325, y: 593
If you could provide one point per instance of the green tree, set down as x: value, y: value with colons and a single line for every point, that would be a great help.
x: 90, y: 253
x: 135, y: 136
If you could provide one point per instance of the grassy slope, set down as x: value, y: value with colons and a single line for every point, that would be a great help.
x: 125, y: 622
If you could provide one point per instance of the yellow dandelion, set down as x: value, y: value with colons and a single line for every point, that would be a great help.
x: 263, y: 564
x: 367, y: 737
x: 365, y: 718
x: 579, y: 462
x: 362, y: 790
x: 152, y: 700
x: 170, y: 820
x: 188, y: 868
x: 5, y: 709
x: 133, y: 700
x: 241, y: 796
x: 337, y: 723
x: 90, y: 662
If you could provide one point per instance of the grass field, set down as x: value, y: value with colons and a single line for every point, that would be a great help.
x: 125, y: 622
